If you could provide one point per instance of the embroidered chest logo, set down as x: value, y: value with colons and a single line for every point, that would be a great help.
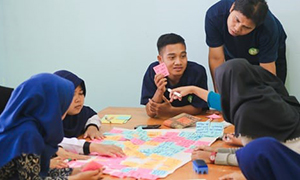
x: 253, y: 51
x: 190, y: 98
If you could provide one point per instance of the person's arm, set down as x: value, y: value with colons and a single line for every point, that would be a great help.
x: 160, y: 82
x: 226, y: 156
x: 189, y: 109
x: 157, y: 98
x: 75, y: 145
x: 271, y: 67
x: 165, y: 109
x: 92, y: 128
x: 213, y: 99
x: 216, y: 57
x: 93, y: 121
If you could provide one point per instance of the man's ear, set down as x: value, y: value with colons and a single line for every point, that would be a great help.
x: 232, y: 6
x: 159, y: 58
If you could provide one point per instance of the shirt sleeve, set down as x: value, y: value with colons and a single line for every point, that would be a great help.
x: 213, y: 35
x: 214, y: 101
x: 94, y: 120
x: 226, y: 156
x: 73, y: 145
x: 268, y: 40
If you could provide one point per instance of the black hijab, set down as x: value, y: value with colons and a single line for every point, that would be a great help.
x: 5, y: 93
x: 74, y: 125
x: 256, y: 101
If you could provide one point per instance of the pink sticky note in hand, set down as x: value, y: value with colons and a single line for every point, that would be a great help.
x: 161, y: 69
x: 91, y: 166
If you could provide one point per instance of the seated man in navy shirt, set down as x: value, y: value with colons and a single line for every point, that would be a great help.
x: 172, y: 51
x: 245, y: 29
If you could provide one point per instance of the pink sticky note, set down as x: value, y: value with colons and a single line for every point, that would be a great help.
x: 116, y: 131
x: 161, y: 69
x: 214, y: 116
x: 91, y: 166
x: 137, y: 141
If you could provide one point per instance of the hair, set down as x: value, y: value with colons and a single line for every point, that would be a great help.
x: 256, y: 10
x: 167, y: 39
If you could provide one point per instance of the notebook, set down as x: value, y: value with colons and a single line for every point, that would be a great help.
x: 180, y: 121
x: 115, y: 118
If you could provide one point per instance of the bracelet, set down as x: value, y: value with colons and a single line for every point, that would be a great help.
x: 212, y: 157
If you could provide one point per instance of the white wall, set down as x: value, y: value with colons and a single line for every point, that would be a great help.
x: 110, y: 43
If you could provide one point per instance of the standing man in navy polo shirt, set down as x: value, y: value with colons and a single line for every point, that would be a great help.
x: 245, y: 29
x: 172, y: 51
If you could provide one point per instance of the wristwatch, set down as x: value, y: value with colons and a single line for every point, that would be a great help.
x: 212, y: 157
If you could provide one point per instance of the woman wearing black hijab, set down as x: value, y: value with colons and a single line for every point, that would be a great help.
x: 5, y: 93
x: 266, y: 118
x: 260, y: 107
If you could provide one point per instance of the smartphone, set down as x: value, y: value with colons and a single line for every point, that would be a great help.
x: 155, y: 126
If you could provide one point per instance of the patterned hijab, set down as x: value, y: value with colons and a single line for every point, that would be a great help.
x: 31, y: 121
x: 257, y: 102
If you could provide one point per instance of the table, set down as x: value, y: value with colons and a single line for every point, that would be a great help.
x: 139, y: 116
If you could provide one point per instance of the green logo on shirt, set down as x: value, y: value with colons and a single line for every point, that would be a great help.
x: 190, y: 98
x: 253, y: 51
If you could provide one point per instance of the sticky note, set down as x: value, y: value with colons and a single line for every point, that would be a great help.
x: 210, y: 129
x: 214, y: 116
x: 161, y: 69
x: 91, y: 166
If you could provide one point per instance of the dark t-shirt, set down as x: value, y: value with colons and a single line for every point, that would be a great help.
x: 259, y: 46
x: 74, y: 124
x: 194, y: 74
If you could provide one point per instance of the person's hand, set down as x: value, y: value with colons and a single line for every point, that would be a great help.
x: 107, y: 150
x: 183, y: 91
x: 232, y: 140
x: 58, y: 162
x: 66, y: 155
x: 93, y: 133
x: 93, y: 175
x: 233, y: 176
x: 160, y: 82
x: 161, y: 109
x: 203, y: 152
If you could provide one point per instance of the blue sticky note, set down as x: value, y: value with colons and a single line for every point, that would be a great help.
x: 210, y: 129
x: 159, y: 172
x: 124, y: 117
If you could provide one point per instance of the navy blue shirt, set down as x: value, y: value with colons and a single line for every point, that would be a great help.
x: 194, y: 74
x: 267, y: 38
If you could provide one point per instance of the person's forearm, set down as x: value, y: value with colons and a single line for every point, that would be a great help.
x: 215, y: 59
x: 213, y: 64
x: 200, y: 92
x: 157, y: 97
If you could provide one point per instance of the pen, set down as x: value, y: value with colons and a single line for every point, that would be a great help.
x: 68, y: 160
x: 105, y: 117
x: 175, y: 93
